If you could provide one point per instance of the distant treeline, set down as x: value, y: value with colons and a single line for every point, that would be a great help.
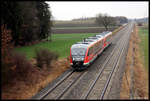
x: 140, y: 20
x: 28, y: 20
x: 86, y: 22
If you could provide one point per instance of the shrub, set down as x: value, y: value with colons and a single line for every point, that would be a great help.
x: 18, y: 69
x: 140, y: 24
x: 14, y: 65
x: 22, y: 66
x: 44, y: 56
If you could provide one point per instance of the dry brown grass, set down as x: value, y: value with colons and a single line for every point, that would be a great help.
x: 125, y: 91
x: 140, y: 74
x: 22, y: 90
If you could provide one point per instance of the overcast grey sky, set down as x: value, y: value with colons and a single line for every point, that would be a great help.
x: 69, y: 10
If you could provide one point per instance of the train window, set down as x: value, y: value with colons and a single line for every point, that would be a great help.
x: 91, y: 50
x: 109, y: 38
x: 94, y: 49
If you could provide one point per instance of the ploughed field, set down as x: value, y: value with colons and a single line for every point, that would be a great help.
x: 63, y: 30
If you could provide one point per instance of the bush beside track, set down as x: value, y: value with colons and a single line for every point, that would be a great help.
x: 41, y: 76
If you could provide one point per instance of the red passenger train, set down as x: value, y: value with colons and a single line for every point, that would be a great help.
x: 83, y: 53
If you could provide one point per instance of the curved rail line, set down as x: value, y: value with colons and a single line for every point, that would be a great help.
x: 57, y: 84
x: 66, y: 89
x: 110, y: 75
x: 103, y: 67
x: 81, y: 74
x: 68, y: 86
x: 115, y: 66
x: 106, y: 61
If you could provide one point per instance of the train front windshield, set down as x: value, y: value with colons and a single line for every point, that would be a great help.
x: 78, y: 51
x: 78, y: 54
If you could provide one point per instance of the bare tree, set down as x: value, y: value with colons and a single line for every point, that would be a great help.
x: 105, y: 20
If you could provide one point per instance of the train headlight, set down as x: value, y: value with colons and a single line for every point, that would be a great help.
x: 78, y: 59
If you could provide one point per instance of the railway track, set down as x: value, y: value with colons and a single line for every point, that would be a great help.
x: 107, y: 69
x: 94, y: 82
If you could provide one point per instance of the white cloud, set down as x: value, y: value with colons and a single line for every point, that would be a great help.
x: 69, y: 10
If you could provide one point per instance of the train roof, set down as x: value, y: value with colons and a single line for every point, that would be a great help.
x: 99, y: 36
x: 90, y: 40
x: 93, y: 37
x: 105, y: 33
x: 85, y: 43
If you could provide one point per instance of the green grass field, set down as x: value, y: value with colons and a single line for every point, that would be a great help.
x: 143, y: 32
x: 60, y: 43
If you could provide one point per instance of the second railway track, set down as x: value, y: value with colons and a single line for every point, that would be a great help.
x: 92, y: 83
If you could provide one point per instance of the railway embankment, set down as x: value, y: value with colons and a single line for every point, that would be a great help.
x: 87, y: 84
x: 26, y: 89
x: 135, y: 79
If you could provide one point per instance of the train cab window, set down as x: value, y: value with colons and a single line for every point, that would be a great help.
x: 89, y: 52
x: 78, y: 51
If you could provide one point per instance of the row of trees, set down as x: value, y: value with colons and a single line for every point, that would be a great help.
x: 107, y: 20
x: 28, y: 20
x: 121, y: 20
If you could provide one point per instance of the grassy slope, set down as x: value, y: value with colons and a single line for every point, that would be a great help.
x: 144, y: 44
x: 61, y: 44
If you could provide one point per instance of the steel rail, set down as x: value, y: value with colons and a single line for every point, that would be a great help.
x: 103, y: 67
x: 57, y: 84
x: 66, y: 76
x: 110, y: 75
x: 67, y: 88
